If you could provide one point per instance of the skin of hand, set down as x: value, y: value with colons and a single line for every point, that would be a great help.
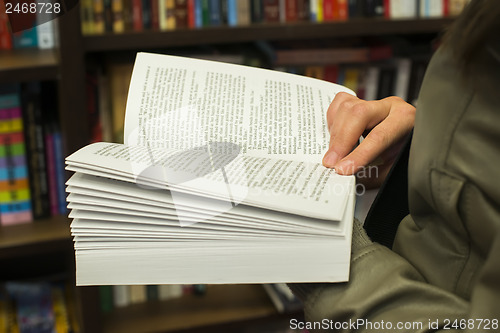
x: 384, y: 123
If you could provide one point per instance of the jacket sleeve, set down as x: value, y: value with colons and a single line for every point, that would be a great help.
x: 386, y: 293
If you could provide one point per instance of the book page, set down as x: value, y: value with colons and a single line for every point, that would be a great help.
x: 181, y: 103
x: 294, y: 187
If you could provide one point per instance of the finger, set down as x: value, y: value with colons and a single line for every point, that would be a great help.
x: 383, y: 136
x: 339, y: 99
x: 352, y: 120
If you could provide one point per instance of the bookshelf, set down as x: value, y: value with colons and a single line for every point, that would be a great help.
x: 300, y: 30
x: 28, y: 64
x: 223, y: 304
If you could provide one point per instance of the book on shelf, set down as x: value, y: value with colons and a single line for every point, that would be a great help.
x: 15, y: 197
x: 40, y: 306
x: 35, y: 148
x: 282, y: 297
x: 219, y: 180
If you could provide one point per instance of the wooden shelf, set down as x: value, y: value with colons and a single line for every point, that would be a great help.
x: 221, y: 305
x: 223, y: 34
x: 28, y: 64
x: 35, y: 237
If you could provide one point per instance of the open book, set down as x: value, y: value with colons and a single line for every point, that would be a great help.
x: 219, y: 180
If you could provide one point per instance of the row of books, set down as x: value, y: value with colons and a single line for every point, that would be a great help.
x: 42, y: 34
x: 107, y: 90
x: 41, y: 307
x: 121, y: 295
x: 117, y: 16
x: 107, y: 86
x: 31, y: 158
x: 400, y: 77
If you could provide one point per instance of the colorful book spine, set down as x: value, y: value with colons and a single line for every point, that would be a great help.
x: 155, y: 15
x: 5, y: 35
x: 215, y: 12
x: 118, y: 21
x: 15, y: 199
x: 170, y: 14
x: 271, y: 11
x: 137, y: 15
x: 243, y: 12
x: 45, y: 30
x: 99, y: 20
x: 26, y: 39
x: 232, y: 12
x: 191, y: 13
x: 198, y: 14
x: 181, y: 14
x: 291, y: 10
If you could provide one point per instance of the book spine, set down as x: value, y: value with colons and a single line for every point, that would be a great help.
x: 271, y: 11
x: 291, y: 11
x: 191, y: 13
x: 51, y: 171
x: 5, y: 35
x: 215, y: 13
x: 223, y: 12
x: 162, y: 14
x: 137, y: 294
x: 108, y: 16
x: 343, y: 10
x: 118, y: 21
x: 387, y: 9
x: 403, y: 69
x: 45, y: 30
x: 205, y: 13
x: 313, y: 10
x: 15, y: 199
x: 386, y: 82
x: 60, y: 179
x: 331, y: 73
x: 127, y: 15
x: 181, y: 14
x: 99, y: 17
x: 35, y: 150
x: 121, y: 296
x: 170, y: 14
x: 155, y: 14
x: 328, y: 10
x: 106, y: 298
x: 446, y: 8
x: 137, y: 15
x: 232, y: 12
x: 198, y: 14
x: 257, y: 11
x: 93, y: 107
x: 243, y: 12
x: 152, y: 292
x: 86, y: 11
x: 303, y: 10
x: 146, y: 14
x: 26, y: 39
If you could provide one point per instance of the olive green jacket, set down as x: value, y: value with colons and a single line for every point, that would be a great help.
x: 444, y: 269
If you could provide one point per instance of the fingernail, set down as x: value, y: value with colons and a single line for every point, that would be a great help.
x: 345, y: 167
x: 330, y: 159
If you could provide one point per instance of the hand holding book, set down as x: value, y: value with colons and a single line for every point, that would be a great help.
x: 219, y: 180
